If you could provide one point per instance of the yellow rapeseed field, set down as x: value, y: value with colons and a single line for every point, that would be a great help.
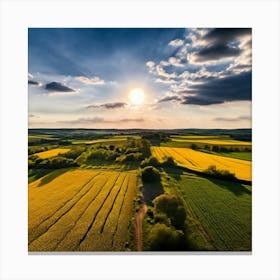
x: 81, y: 210
x: 200, y: 161
x: 52, y: 153
x: 230, y: 142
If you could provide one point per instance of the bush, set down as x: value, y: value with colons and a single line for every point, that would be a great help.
x: 163, y: 238
x: 173, y: 207
x: 151, y: 161
x: 150, y: 174
x: 169, y: 162
x: 74, y: 153
x: 220, y: 173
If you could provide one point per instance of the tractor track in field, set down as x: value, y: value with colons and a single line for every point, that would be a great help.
x: 65, y: 211
x: 138, y: 227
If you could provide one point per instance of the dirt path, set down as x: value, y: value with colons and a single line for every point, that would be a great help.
x: 138, y: 226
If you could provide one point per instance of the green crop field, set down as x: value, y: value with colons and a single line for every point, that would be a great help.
x: 221, y: 211
x: 81, y: 210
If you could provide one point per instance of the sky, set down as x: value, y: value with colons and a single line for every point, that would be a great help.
x: 163, y: 78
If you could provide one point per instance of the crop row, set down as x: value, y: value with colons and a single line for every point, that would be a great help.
x: 92, y: 219
x: 223, y: 210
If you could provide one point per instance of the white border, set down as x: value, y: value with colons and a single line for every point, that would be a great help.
x: 262, y: 16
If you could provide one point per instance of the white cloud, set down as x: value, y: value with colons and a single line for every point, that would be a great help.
x: 161, y: 72
x: 163, y: 81
x: 90, y: 81
x: 175, y: 62
x: 176, y: 43
x: 30, y: 76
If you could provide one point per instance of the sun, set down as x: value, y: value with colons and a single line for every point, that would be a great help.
x: 137, y: 96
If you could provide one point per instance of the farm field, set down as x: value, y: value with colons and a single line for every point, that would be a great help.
x: 237, y: 155
x: 200, y: 161
x: 211, y: 141
x: 80, y: 210
x: 51, y: 153
x: 222, y: 208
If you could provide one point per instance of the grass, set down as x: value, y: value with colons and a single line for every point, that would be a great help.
x: 222, y: 211
x: 51, y: 153
x: 81, y: 210
x: 199, y: 161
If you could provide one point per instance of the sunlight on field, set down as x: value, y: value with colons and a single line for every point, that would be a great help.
x: 81, y: 210
x: 200, y: 161
x: 51, y: 153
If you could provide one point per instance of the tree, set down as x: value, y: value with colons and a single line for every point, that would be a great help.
x: 173, y: 207
x: 152, y: 161
x: 164, y: 238
x: 150, y: 174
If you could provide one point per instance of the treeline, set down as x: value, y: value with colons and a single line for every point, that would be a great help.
x: 134, y: 151
x: 221, y: 149
x: 68, y: 159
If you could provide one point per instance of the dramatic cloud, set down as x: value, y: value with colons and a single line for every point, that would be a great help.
x: 220, y: 43
x: 90, y: 81
x: 176, y: 43
x: 215, y: 52
x: 114, y: 105
x: 237, y: 119
x: 214, y: 91
x: 58, y: 87
x: 170, y: 98
x: 30, y: 82
x: 226, y: 35
x: 220, y: 90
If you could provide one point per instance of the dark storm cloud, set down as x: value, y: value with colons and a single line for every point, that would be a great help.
x: 216, y: 91
x: 226, y: 35
x: 31, y: 82
x: 215, y: 52
x: 240, y: 118
x: 113, y: 105
x: 221, y: 43
x: 55, y: 86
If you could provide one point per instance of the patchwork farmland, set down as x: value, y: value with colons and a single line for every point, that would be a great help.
x: 81, y: 210
x: 98, y: 190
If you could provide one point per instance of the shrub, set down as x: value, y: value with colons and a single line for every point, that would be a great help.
x: 152, y: 161
x: 150, y: 174
x: 173, y: 207
x: 163, y: 238
x: 169, y: 162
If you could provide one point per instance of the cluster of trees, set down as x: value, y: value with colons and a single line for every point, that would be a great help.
x: 50, y: 163
x: 168, y: 217
x: 220, y: 173
x: 221, y: 149
x: 153, y: 161
x: 135, y: 150
x: 36, y: 149
x: 156, y: 138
